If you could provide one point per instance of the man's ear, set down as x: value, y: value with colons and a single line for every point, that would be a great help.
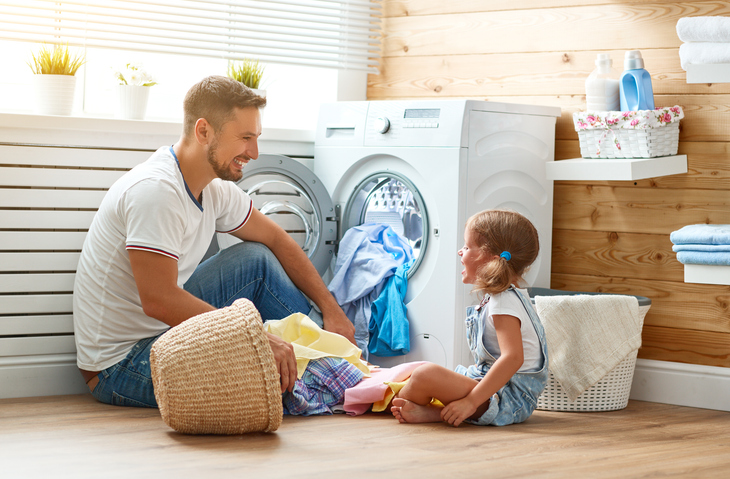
x: 204, y: 132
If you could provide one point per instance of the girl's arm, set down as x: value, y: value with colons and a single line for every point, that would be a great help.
x: 509, y: 337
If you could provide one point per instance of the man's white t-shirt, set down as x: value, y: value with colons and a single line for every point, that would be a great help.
x: 150, y: 209
x: 508, y: 303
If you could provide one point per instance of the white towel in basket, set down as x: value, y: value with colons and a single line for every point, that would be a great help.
x: 588, y: 336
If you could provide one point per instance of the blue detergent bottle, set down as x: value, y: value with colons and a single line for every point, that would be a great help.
x: 635, y: 84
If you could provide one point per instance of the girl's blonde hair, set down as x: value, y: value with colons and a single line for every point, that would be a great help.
x: 497, y: 231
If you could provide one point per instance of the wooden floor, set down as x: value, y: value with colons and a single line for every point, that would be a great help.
x: 74, y: 436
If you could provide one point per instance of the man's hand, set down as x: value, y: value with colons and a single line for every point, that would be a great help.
x: 301, y: 271
x: 286, y: 362
x: 337, y: 322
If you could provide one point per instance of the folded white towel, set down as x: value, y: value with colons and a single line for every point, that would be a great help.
x: 703, y: 53
x: 704, y: 29
x: 587, y: 336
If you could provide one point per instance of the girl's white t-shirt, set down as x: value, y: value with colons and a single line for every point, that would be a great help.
x: 150, y: 209
x: 508, y: 303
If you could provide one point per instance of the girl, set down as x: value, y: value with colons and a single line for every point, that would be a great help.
x: 504, y: 333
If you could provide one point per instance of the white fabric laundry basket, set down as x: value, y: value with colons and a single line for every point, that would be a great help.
x: 609, y: 394
x: 628, y: 134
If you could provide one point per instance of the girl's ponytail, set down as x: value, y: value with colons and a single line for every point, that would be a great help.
x: 509, y: 236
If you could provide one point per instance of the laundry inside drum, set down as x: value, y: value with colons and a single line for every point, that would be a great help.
x: 388, y: 198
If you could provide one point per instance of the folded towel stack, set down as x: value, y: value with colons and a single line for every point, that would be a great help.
x: 706, y: 40
x: 702, y: 244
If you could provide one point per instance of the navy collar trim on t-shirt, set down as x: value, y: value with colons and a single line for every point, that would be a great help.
x: 190, y: 193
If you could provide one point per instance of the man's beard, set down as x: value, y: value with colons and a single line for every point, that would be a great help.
x: 223, y: 173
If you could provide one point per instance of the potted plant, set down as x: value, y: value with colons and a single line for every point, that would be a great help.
x: 249, y: 72
x: 133, y: 91
x: 54, y: 78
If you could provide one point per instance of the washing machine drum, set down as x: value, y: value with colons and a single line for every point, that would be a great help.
x: 389, y: 198
x: 292, y: 196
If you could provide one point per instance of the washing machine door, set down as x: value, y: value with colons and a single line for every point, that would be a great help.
x: 290, y: 194
x: 390, y: 198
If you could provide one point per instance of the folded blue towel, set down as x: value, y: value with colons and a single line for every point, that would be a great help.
x: 707, y: 248
x: 701, y: 234
x: 701, y: 257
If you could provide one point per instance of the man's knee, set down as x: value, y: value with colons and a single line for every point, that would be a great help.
x: 250, y: 252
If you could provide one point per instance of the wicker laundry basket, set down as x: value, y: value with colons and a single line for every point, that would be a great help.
x: 649, y: 143
x: 609, y: 394
x: 635, y: 134
x: 215, y: 374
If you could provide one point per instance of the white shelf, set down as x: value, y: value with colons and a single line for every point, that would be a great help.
x: 706, y: 274
x: 618, y: 169
x: 708, y: 73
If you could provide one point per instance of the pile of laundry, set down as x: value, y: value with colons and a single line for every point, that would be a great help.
x: 702, y: 244
x: 370, y: 281
x: 706, y: 40
x: 331, y: 374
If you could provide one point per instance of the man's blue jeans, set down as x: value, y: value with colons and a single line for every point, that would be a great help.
x: 245, y: 270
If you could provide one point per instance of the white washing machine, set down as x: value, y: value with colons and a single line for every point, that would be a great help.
x: 423, y: 167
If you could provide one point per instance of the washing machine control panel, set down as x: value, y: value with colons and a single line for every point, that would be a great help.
x: 410, y: 118
x: 421, y: 117
x: 382, y: 125
x: 412, y: 123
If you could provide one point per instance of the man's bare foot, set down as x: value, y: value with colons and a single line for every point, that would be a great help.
x: 406, y: 411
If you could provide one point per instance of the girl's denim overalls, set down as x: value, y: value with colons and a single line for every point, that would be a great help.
x: 516, y: 401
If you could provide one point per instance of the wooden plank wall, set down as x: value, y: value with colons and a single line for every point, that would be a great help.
x: 609, y: 236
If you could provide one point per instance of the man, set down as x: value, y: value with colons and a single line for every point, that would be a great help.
x: 139, y: 271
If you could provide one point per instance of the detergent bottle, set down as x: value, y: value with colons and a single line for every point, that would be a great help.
x: 602, y: 91
x: 635, y: 84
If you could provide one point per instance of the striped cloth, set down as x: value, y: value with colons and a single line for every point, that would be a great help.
x: 321, y: 386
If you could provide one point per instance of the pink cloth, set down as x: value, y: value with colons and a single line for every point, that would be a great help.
x: 360, y: 397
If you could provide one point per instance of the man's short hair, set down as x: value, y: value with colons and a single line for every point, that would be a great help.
x: 214, y: 98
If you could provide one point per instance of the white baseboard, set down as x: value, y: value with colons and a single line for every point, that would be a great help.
x: 665, y: 382
x: 43, y: 375
x: 681, y: 384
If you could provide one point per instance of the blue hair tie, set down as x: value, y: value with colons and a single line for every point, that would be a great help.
x: 505, y: 255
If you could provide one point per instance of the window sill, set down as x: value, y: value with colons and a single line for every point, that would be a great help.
x: 94, y: 132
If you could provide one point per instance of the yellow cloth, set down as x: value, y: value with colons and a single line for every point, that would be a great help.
x: 312, y: 342
x: 393, y: 389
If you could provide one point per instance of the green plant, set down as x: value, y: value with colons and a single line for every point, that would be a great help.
x: 57, y: 61
x: 248, y: 72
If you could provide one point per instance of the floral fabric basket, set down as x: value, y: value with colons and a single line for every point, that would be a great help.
x: 628, y: 134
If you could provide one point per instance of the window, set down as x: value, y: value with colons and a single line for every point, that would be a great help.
x: 305, y: 46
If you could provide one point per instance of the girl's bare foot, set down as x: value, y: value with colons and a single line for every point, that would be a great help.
x: 406, y: 411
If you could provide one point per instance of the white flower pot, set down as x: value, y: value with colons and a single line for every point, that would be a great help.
x: 54, y: 94
x: 132, y: 103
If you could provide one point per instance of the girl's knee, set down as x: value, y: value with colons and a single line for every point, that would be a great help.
x: 425, y: 373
